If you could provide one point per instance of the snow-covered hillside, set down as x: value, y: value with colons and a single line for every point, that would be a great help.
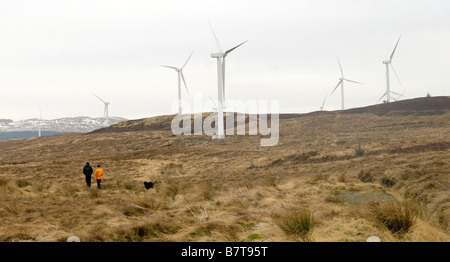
x: 80, y: 124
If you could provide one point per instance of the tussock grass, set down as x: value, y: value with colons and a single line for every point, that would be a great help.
x: 366, y: 177
x: 3, y: 182
x: 359, y: 151
x: 23, y: 183
x: 297, y: 223
x: 397, y: 217
x: 388, y: 182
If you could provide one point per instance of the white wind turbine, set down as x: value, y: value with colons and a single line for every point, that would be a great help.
x: 389, y: 63
x: 220, y: 56
x: 341, y: 83
x: 105, y: 112
x: 180, y: 76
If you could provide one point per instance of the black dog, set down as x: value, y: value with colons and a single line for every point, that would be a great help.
x: 149, y: 185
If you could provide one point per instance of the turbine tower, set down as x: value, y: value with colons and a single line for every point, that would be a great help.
x: 105, y: 112
x: 220, y: 56
x: 180, y: 76
x: 389, y: 63
x: 341, y: 83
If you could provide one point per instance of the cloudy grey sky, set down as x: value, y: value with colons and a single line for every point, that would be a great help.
x: 55, y: 53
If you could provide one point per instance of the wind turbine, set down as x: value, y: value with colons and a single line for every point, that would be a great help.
x: 180, y: 76
x: 389, y: 63
x: 220, y: 56
x: 105, y: 112
x: 341, y: 83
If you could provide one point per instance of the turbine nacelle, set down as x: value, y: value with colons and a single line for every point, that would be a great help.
x: 174, y: 68
x: 217, y: 55
x: 387, y: 61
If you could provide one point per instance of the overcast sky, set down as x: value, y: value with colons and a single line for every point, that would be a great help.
x: 55, y: 54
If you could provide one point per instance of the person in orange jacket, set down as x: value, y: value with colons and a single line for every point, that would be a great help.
x: 99, y: 175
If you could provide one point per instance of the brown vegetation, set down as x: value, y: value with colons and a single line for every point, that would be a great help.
x: 236, y: 190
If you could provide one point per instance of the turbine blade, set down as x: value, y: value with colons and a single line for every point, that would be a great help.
x: 340, y: 81
x: 342, y: 72
x: 395, y: 93
x: 401, y: 95
x: 381, y: 97
x: 188, y: 59
x: 215, y: 37
x: 324, y: 102
x: 176, y: 68
x: 212, y: 101
x: 184, y: 81
x: 229, y: 50
x: 352, y: 81
x: 393, y: 70
x: 392, y: 55
x: 99, y: 98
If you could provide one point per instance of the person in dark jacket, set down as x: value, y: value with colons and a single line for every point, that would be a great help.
x: 87, y: 171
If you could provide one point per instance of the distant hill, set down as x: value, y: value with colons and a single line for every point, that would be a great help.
x: 416, y: 106
x: 80, y: 124
x: 423, y: 105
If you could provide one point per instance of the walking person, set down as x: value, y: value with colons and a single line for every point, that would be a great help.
x: 99, y: 176
x: 87, y: 171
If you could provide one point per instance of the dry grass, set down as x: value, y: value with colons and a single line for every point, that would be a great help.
x: 234, y: 190
x: 396, y: 217
x: 297, y: 223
